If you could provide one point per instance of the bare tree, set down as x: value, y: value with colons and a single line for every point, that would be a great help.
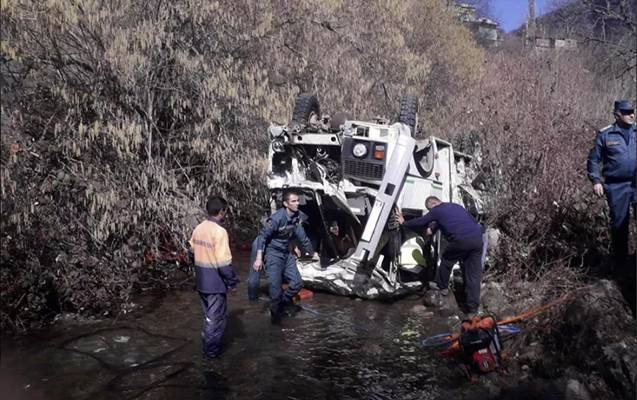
x: 606, y: 26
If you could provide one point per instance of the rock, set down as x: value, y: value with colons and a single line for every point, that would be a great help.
x: 432, y: 298
x: 418, y: 309
x: 494, y: 300
x: 599, y: 331
x: 576, y: 391
x: 421, y: 311
x: 493, y: 239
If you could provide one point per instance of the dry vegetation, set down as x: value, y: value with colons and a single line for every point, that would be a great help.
x: 535, y: 121
x: 119, y: 117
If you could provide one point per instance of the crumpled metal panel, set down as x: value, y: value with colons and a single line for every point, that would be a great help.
x: 342, y: 278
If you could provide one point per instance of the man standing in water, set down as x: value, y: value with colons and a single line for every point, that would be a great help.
x: 274, y: 239
x: 464, y: 245
x: 615, y: 147
x: 214, y: 274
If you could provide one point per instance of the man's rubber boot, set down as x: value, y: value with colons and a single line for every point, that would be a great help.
x: 289, y: 308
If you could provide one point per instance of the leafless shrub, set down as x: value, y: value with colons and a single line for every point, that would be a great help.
x: 120, y: 117
x: 535, y: 116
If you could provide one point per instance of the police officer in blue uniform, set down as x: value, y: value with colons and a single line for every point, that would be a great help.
x: 616, y: 148
x: 274, y: 240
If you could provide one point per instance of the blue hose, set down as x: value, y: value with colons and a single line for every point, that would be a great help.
x: 509, y: 329
x: 440, y: 340
x: 444, y: 340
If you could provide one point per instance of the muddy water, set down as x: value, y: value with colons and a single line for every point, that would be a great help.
x: 336, y: 348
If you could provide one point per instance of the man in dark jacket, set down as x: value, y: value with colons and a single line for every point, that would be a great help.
x: 274, y: 240
x: 214, y: 274
x: 615, y: 147
x: 464, y: 245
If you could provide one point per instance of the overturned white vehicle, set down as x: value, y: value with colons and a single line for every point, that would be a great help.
x: 351, y: 176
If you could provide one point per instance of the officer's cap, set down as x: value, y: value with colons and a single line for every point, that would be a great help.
x: 623, y: 105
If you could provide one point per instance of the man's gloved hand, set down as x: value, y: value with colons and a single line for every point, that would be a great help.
x: 395, y: 219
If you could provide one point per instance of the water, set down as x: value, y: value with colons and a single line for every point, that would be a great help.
x: 336, y: 348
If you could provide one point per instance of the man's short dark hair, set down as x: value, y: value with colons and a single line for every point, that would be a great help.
x: 429, y: 199
x: 288, y: 193
x: 215, y: 205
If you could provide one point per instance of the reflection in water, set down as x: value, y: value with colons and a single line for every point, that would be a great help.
x: 215, y: 388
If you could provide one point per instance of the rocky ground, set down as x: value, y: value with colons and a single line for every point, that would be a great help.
x: 580, y: 346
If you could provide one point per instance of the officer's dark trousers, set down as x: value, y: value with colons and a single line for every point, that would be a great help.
x: 280, y: 266
x: 214, y: 322
x: 467, y: 251
x: 620, y: 196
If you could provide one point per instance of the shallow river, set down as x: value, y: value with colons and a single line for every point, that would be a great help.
x: 336, y: 348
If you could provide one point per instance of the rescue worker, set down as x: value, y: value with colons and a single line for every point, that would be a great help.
x: 615, y: 147
x: 274, y: 240
x: 214, y: 274
x: 464, y: 244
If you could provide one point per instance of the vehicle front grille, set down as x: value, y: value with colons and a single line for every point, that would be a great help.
x: 362, y: 169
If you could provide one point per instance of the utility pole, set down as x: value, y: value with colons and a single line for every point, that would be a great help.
x: 530, y: 25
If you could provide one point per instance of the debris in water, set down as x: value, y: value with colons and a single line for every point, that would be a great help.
x: 121, y: 339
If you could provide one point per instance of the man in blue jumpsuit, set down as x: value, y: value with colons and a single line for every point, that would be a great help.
x: 616, y: 148
x: 464, y: 244
x: 274, y: 240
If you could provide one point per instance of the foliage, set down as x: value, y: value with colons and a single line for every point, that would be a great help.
x: 120, y: 117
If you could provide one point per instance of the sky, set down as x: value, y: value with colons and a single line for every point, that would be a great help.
x: 511, y: 14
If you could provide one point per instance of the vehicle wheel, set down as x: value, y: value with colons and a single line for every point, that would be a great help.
x: 409, y: 112
x: 306, y: 108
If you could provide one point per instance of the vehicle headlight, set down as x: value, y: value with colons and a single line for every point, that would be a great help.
x: 359, y: 150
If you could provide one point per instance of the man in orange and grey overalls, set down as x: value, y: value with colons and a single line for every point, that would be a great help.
x: 214, y: 273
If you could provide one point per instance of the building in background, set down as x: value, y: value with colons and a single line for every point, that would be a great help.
x: 484, y: 30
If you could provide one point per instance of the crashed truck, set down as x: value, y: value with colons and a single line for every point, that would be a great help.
x: 356, y: 174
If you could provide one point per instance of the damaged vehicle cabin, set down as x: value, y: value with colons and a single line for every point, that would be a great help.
x: 351, y: 175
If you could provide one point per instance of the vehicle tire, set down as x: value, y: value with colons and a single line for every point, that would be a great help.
x: 409, y: 112
x: 305, y: 107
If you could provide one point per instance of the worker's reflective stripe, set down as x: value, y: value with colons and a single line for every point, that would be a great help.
x: 202, y: 264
